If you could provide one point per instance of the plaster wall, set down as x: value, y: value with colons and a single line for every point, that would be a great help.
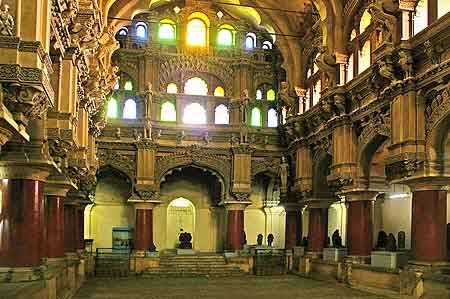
x: 337, y: 219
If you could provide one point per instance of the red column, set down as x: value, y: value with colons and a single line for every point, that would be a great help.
x: 235, y: 229
x: 55, y: 226
x: 144, y: 229
x: 80, y: 227
x: 318, y: 229
x: 293, y: 228
x: 359, y: 227
x: 21, y: 223
x: 70, y: 231
x: 429, y: 232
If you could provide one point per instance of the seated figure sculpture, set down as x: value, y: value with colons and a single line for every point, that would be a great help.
x: 270, y: 238
x: 185, y: 240
x: 337, y: 239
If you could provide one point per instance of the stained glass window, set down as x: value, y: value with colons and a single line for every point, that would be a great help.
x: 112, y: 108
x: 270, y: 95
x: 219, y: 92
x: 172, y: 88
x: 196, y: 33
x: 366, y: 19
x: 221, y: 115
x: 166, y: 30
x: 272, y: 118
x: 141, y: 31
x: 129, y: 109
x: 225, y: 37
x: 256, y: 117
x: 258, y: 94
x: 128, y: 85
x: 250, y: 40
x: 168, y: 111
x: 194, y: 114
x: 196, y: 86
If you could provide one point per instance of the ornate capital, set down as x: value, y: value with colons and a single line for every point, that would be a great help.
x: 146, y: 144
x: 241, y: 196
x: 243, y: 148
x: 147, y: 192
x: 30, y: 101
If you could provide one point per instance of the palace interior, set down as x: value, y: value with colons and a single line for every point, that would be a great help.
x: 164, y: 138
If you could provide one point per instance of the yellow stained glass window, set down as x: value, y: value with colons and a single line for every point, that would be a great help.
x: 196, y: 33
x: 219, y: 92
x: 366, y: 19
x: 270, y: 95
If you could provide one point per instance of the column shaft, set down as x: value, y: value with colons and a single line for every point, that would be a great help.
x: 293, y: 229
x: 235, y: 229
x: 359, y: 228
x: 55, y: 226
x: 80, y: 227
x: 429, y: 233
x: 21, y: 223
x: 144, y: 229
x: 318, y: 229
x: 70, y: 236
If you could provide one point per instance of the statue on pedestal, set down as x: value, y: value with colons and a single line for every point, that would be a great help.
x: 270, y: 238
x: 286, y: 100
x: 391, y: 243
x: 336, y: 239
x: 381, y: 241
x: 284, y: 172
x: 259, y: 240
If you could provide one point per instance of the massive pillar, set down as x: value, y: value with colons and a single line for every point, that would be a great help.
x: 293, y: 226
x: 56, y: 193
x: 318, y: 229
x: 144, y: 228
x: 359, y: 224
x: 22, y: 218
x: 70, y: 230
x: 429, y: 217
x: 235, y: 226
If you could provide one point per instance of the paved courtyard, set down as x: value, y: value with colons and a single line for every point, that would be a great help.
x: 247, y: 287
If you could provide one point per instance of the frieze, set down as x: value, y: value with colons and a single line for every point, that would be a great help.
x: 403, y: 169
x: 116, y: 160
x: 377, y: 124
x: 265, y: 165
x: 438, y: 107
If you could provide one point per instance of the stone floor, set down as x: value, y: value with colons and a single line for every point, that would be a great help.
x: 248, y: 287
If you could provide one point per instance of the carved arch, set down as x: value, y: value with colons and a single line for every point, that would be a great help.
x: 117, y: 161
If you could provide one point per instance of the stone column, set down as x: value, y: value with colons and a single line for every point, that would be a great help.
x: 80, y: 227
x: 56, y: 193
x: 70, y: 230
x: 318, y: 225
x: 359, y: 225
x: 429, y: 221
x: 235, y: 225
x: 293, y: 226
x: 144, y: 225
x: 22, y: 218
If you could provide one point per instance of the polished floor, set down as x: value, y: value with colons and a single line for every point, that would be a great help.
x: 248, y: 287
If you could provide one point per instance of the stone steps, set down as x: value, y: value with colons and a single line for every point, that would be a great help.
x: 193, y: 266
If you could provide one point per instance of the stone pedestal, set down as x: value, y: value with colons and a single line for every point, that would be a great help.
x: 334, y: 254
x: 299, y: 251
x: 387, y: 259
x: 185, y: 252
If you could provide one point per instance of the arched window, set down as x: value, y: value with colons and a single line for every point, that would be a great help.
x: 196, y: 33
x: 350, y: 68
x: 194, y: 114
x: 219, y: 92
x: 172, y: 88
x: 196, y: 86
x: 123, y: 32
x: 272, y: 118
x: 307, y: 100
x: 221, y: 115
x: 316, y: 92
x: 250, y: 40
x: 141, y: 30
x: 117, y: 86
x: 112, y: 108
x: 366, y: 19
x: 129, y: 109
x: 267, y: 45
x: 168, y: 111
x: 420, y: 18
x: 128, y: 86
x: 443, y: 7
x: 167, y: 30
x: 364, y: 57
x: 258, y: 94
x: 256, y: 117
x: 225, y: 37
x: 270, y: 95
